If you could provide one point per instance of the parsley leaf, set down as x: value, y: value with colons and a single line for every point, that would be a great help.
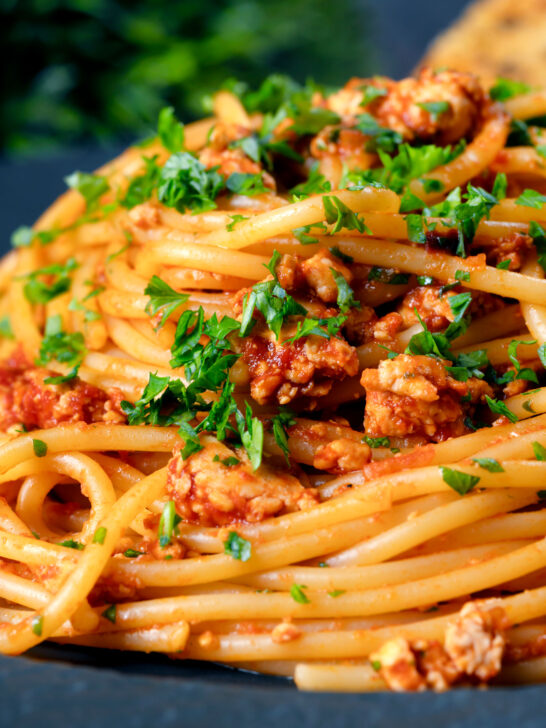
x: 110, y: 613
x: 37, y: 291
x: 381, y: 138
x: 100, y: 535
x: 237, y: 547
x: 272, y: 301
x: 163, y: 298
x: 251, y: 431
x: 71, y: 544
x: 91, y: 186
x: 371, y: 93
x: 167, y: 524
x: 39, y: 447
x: 539, y: 450
x: 6, y: 331
x: 37, y: 625
x: 506, y: 88
x: 435, y: 108
x: 490, y: 464
x: 526, y: 373
x: 302, y: 233
x: 313, y: 185
x: 415, y: 228
x: 499, y: 408
x: 345, y: 294
x: 374, y: 442
x: 341, y: 255
x: 65, y: 348
x: 298, y: 595
x: 538, y: 235
x: 342, y: 217
x: 241, y: 183
x: 461, y: 482
x: 170, y: 130
x: 142, y: 186
x: 185, y: 183
x: 234, y: 220
x: 531, y: 198
x: 280, y: 422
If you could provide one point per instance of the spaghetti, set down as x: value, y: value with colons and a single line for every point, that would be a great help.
x: 272, y: 391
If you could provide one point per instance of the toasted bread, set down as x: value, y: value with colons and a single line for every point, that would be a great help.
x: 495, y: 38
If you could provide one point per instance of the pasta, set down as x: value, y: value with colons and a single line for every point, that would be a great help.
x: 272, y: 392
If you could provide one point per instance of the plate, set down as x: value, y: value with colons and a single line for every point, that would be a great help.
x: 90, y: 688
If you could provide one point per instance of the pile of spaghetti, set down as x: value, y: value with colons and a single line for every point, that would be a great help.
x: 272, y: 390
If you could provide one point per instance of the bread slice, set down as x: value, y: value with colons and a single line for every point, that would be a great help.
x: 495, y: 38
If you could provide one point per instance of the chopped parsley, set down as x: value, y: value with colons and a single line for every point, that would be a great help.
x: 99, y: 535
x: 71, y: 544
x: 132, y: 553
x: 60, y: 346
x: 382, y: 139
x: 234, y: 220
x: 539, y: 450
x: 185, y: 183
x: 167, y: 524
x: 302, y: 233
x: 490, y: 464
x: 387, y: 275
x: 170, y: 130
x: 91, y: 186
x: 538, y: 234
x: 462, y: 275
x: 38, y: 291
x: 242, y: 183
x: 315, y: 184
x: 371, y: 93
x: 228, y: 462
x: 499, y: 408
x: 237, y: 547
x: 521, y: 373
x: 336, y: 593
x: 415, y: 228
x: 88, y: 314
x: 272, y: 301
x: 163, y: 298
x: 435, y: 108
x: 110, y: 613
x: 461, y: 482
x: 280, y: 423
x: 298, y: 595
x: 37, y: 625
x: 342, y: 217
x: 374, y: 442
x: 39, y: 447
x: 531, y: 198
x: 345, y: 294
x: 251, y: 432
x: 506, y: 88
x: 142, y: 186
x: 341, y: 255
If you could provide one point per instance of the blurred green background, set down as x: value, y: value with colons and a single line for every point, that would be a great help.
x: 81, y: 70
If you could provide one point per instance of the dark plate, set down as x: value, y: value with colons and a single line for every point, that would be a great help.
x: 89, y: 688
x: 75, y: 687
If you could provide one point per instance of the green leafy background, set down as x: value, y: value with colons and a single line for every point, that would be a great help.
x: 79, y: 71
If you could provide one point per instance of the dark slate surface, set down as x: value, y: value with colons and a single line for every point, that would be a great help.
x: 156, y: 692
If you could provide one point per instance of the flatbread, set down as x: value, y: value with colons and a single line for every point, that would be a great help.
x: 495, y: 38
